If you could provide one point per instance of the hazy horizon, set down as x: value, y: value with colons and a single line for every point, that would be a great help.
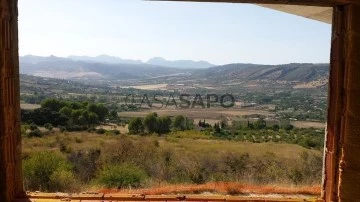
x: 184, y: 59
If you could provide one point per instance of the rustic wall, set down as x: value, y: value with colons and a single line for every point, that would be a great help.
x: 10, y: 142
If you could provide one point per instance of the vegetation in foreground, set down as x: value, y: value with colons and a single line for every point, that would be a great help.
x: 160, y: 150
x: 78, y: 161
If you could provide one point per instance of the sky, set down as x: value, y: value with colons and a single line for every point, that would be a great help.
x: 219, y: 33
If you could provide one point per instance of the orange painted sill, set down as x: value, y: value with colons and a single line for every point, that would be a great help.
x: 52, y: 197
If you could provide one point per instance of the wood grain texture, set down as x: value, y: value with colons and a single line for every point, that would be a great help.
x: 10, y: 140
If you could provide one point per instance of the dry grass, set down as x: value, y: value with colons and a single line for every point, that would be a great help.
x: 218, y: 147
x: 187, y: 143
x: 230, y: 188
x: 123, y: 129
x: 212, y: 148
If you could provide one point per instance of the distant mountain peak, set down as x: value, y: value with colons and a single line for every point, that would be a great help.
x: 156, y: 59
x: 188, y: 64
x: 103, y: 58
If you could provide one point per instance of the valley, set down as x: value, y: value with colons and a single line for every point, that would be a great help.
x: 91, y: 113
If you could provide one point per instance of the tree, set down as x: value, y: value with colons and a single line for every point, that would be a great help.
x: 151, y: 123
x: 82, y: 120
x: 164, y: 124
x: 42, y: 116
x: 189, y: 124
x: 53, y: 104
x: 75, y: 105
x: 66, y: 111
x: 98, y: 109
x: 114, y: 114
x: 260, y: 123
x: 217, y: 128
x: 179, y: 123
x: 136, y: 126
x: 223, y: 123
x: 276, y: 127
x: 285, y: 124
x: 93, y: 118
x: 75, y: 114
x: 250, y: 125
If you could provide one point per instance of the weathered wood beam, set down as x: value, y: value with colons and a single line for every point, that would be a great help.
x: 10, y: 138
x: 349, y: 163
x: 335, y: 106
x: 287, y: 2
x: 342, y: 165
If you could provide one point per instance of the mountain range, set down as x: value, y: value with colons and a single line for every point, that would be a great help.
x: 109, y: 67
x: 157, y: 61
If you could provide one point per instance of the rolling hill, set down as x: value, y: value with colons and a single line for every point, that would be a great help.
x: 286, y: 72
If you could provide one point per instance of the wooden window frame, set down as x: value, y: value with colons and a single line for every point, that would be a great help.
x: 339, y: 164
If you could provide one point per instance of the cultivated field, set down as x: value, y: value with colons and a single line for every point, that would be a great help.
x: 214, y: 115
x: 207, y: 113
x: 308, y: 124
x: 29, y: 106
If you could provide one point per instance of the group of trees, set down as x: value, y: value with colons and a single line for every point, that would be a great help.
x: 259, y: 131
x: 297, y: 104
x: 69, y: 114
x: 203, y: 124
x: 152, y: 123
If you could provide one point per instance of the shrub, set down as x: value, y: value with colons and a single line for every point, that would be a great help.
x: 64, y: 147
x: 91, y: 129
x: 75, y: 128
x: 116, y: 132
x: 33, y: 126
x: 296, y: 176
x: 121, y: 176
x: 47, y: 171
x: 24, y: 129
x: 63, y: 180
x: 49, y: 126
x: 62, y: 128
x: 85, y: 163
x: 79, y: 140
x: 35, y: 133
x: 100, y: 131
